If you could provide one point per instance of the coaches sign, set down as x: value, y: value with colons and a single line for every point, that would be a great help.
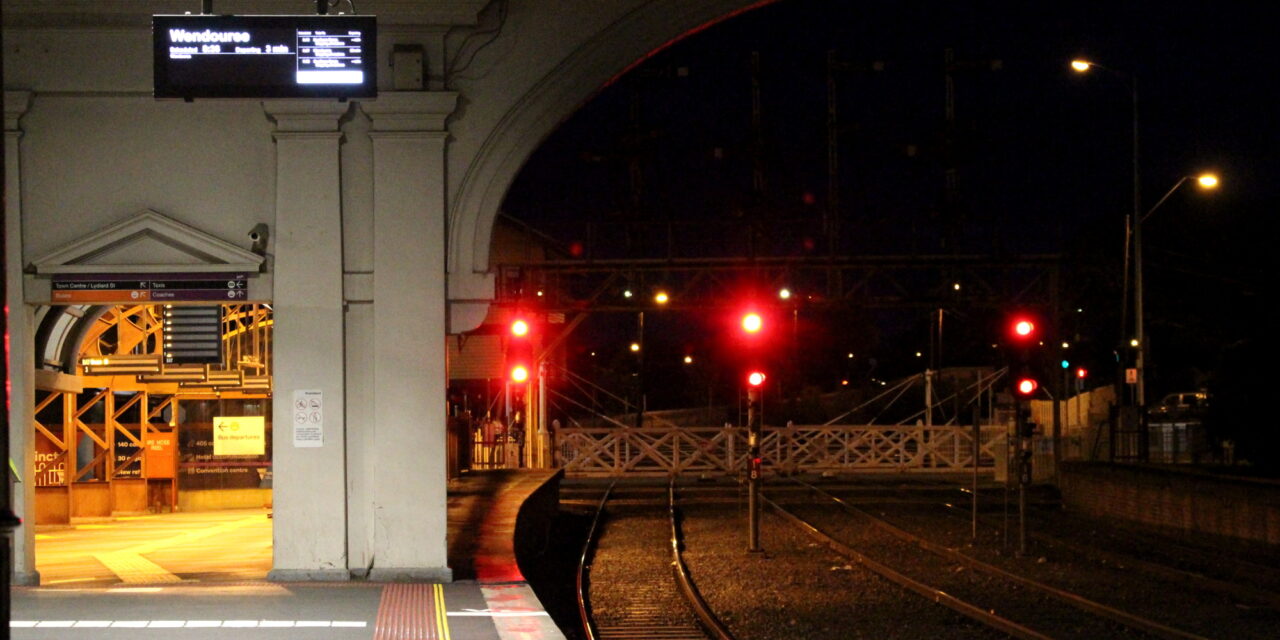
x: 206, y: 56
x: 239, y: 436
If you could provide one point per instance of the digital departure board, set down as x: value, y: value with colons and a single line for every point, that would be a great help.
x: 208, y: 56
x: 193, y: 335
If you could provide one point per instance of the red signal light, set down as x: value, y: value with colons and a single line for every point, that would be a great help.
x: 520, y: 328
x: 1027, y: 386
x: 755, y: 378
x: 752, y: 322
x: 1024, y: 329
x: 519, y: 373
x: 1082, y: 373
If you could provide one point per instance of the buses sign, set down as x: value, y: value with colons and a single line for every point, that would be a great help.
x: 239, y: 436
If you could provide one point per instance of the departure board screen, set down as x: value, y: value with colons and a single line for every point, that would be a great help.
x: 207, y: 56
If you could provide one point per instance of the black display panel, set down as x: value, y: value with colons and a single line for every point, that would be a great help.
x: 204, y: 56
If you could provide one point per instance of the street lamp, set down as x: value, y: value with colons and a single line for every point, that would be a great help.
x: 1204, y: 181
x: 1084, y: 66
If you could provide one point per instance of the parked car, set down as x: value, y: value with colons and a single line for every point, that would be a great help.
x: 1183, y: 405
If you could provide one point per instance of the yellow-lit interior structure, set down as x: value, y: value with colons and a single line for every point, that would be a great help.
x: 118, y: 431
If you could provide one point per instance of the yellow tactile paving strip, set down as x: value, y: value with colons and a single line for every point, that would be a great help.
x: 132, y: 568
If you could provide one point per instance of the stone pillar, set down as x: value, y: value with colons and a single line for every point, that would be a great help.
x: 409, y: 310
x: 309, y: 477
x: 21, y: 340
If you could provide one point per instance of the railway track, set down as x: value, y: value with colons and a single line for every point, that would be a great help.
x: 1216, y: 571
x: 1003, y: 600
x: 640, y: 589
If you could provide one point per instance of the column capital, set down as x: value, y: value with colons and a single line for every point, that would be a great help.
x: 410, y: 110
x: 312, y: 116
x: 16, y: 104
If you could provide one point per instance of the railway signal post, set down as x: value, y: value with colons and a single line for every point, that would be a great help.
x: 754, y: 463
x: 1024, y: 336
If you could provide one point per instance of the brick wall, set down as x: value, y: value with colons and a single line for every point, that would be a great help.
x: 1182, y: 500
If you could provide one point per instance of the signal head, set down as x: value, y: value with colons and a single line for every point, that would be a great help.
x: 520, y: 328
x: 1026, y: 386
x: 1082, y: 373
x: 755, y: 378
x: 1024, y: 329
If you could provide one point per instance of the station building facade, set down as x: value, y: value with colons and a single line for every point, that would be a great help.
x: 362, y: 226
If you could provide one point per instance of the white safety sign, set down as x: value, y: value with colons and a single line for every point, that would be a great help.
x: 308, y: 418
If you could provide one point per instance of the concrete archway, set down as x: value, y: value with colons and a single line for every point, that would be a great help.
x: 509, y: 114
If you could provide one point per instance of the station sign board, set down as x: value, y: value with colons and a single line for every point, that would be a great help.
x: 221, y: 56
x: 239, y: 436
x: 192, y: 334
x: 161, y: 454
x: 158, y: 452
x: 135, y: 288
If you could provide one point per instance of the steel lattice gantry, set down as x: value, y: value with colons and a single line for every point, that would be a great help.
x: 869, y: 282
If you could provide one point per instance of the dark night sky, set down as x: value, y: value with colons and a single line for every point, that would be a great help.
x: 1042, y: 154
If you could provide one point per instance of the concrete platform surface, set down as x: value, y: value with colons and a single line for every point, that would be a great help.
x: 283, y: 611
x: 483, y: 509
x: 202, y: 575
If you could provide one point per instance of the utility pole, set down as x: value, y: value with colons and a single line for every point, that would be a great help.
x: 951, y: 199
x: 831, y: 215
x: 640, y: 370
x: 757, y: 129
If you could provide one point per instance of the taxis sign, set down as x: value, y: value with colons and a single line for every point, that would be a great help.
x: 239, y: 436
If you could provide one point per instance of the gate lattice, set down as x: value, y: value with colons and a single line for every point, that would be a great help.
x: 722, y: 451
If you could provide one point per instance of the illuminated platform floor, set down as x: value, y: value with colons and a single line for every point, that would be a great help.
x: 157, y: 549
x: 202, y: 575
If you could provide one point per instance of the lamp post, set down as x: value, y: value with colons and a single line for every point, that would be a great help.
x: 1132, y: 233
x: 1204, y: 181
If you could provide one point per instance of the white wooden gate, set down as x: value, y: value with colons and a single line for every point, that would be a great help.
x: 720, y: 451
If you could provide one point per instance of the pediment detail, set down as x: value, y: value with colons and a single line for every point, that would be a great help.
x: 148, y: 242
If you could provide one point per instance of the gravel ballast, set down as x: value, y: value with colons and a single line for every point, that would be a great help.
x: 797, y: 588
